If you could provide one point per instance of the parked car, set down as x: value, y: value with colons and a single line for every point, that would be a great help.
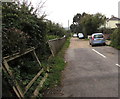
x: 97, y: 38
x: 74, y: 35
x: 80, y: 35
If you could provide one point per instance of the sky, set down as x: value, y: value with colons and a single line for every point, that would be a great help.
x: 60, y: 11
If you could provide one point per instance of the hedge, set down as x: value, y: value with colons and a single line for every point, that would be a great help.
x: 115, y: 39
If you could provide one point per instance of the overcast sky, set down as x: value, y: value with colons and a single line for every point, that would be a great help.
x: 60, y: 11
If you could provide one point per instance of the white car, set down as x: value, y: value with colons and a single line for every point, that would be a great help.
x: 80, y: 35
x: 74, y: 35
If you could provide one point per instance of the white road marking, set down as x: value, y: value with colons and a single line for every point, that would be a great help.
x: 99, y: 53
x: 118, y: 65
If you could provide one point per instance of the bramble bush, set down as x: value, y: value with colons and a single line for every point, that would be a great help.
x: 22, y: 28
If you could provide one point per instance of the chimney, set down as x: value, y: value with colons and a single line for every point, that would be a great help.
x: 112, y: 16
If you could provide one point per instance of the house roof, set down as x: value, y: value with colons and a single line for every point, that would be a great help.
x: 114, y: 18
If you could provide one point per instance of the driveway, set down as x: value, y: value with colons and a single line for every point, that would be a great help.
x: 90, y: 72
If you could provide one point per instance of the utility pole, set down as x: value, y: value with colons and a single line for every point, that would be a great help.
x: 68, y: 24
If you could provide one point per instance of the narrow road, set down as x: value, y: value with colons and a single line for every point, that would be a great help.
x: 90, y: 72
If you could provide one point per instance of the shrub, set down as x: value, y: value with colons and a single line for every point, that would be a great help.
x: 115, y: 38
x: 21, y: 28
x: 14, y: 41
x: 55, y: 29
x: 106, y: 30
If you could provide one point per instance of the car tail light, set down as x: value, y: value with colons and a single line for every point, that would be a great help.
x: 93, y: 38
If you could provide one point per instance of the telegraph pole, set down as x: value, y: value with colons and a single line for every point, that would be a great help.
x: 68, y: 24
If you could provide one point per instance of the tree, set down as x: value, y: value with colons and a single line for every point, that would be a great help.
x: 73, y: 28
x: 87, y: 23
x: 77, y: 18
x: 76, y: 27
x: 55, y: 29
x: 91, y: 23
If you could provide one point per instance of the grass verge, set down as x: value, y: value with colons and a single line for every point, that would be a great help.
x: 50, y: 37
x: 57, y: 65
x: 117, y: 47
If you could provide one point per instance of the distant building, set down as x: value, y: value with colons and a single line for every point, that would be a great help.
x: 112, y: 22
x: 118, y: 25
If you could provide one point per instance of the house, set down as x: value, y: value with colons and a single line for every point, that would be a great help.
x: 112, y: 22
x: 118, y: 25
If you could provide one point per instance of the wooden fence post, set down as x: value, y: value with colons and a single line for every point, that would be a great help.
x: 16, y: 84
x: 16, y: 87
x: 34, y: 53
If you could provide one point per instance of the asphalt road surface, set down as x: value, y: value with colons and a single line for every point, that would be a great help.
x: 90, y: 72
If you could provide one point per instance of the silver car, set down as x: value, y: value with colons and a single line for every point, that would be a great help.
x: 97, y: 38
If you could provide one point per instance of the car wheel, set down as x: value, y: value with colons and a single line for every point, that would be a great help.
x: 104, y: 44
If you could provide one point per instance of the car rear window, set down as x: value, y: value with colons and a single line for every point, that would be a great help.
x: 98, y: 36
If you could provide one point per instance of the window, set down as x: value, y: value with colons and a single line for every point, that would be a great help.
x: 98, y: 36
